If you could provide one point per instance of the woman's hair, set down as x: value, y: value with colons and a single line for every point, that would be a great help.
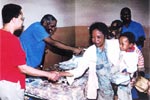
x: 129, y: 35
x: 47, y: 18
x: 99, y: 26
x: 115, y: 29
x: 9, y: 11
x: 116, y: 24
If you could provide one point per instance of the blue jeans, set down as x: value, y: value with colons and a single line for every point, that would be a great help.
x: 134, y: 93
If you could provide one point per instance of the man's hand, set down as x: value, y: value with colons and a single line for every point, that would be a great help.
x: 53, y: 75
x: 78, y: 51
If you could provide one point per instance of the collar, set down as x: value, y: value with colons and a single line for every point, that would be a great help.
x: 131, y: 49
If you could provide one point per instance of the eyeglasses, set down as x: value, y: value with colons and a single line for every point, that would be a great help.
x: 22, y: 18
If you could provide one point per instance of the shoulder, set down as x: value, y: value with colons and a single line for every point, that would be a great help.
x: 92, y: 47
x: 35, y: 27
x: 111, y: 42
x: 36, y: 24
x: 136, y: 23
x: 90, y: 50
x: 90, y: 53
x: 4, y: 35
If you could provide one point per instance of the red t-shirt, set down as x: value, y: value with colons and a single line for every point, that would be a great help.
x: 11, y: 55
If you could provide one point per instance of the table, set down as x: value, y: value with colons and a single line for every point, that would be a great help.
x: 45, y: 90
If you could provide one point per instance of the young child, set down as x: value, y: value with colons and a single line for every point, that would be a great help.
x: 123, y: 72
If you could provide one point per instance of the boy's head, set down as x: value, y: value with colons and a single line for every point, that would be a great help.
x: 126, y: 41
x: 10, y: 11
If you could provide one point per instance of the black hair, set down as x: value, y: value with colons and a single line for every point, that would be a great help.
x: 116, y: 24
x: 48, y: 18
x: 129, y: 35
x: 9, y: 11
x: 124, y: 10
x: 102, y: 27
x: 99, y: 26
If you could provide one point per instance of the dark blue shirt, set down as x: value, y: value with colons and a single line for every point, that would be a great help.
x: 136, y: 29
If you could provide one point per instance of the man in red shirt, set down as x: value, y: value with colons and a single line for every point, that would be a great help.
x: 12, y: 58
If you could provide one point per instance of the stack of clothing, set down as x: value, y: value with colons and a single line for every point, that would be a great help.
x: 43, y: 89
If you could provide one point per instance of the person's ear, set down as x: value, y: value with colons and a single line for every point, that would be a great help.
x: 13, y: 19
x: 45, y: 23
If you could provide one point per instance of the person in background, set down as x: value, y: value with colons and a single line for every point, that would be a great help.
x: 112, y: 42
x: 132, y: 26
x: 136, y: 28
x: 35, y: 38
x: 112, y: 47
x: 113, y: 50
x: 95, y: 61
x: 115, y: 29
x: 13, y: 68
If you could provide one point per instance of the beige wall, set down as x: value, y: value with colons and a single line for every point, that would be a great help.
x: 81, y: 12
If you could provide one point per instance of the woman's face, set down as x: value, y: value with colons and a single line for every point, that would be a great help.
x: 124, y: 43
x: 98, y: 38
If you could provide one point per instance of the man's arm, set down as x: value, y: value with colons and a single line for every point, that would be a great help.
x: 61, y: 45
x: 140, y: 41
x: 53, y: 75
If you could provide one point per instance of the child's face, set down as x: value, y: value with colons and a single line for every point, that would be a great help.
x: 124, y: 43
x: 98, y: 38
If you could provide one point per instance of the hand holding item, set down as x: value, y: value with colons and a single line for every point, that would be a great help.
x: 53, y: 75
x: 78, y: 51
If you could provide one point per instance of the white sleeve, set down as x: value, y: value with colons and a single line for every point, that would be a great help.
x: 77, y: 72
x: 88, y: 58
x: 131, y: 60
x: 112, y: 50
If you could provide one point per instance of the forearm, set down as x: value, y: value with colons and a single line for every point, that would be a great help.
x: 64, y: 46
x: 58, y: 44
x: 32, y: 71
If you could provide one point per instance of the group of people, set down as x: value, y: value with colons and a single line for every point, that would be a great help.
x: 113, y: 59
x: 23, y: 56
